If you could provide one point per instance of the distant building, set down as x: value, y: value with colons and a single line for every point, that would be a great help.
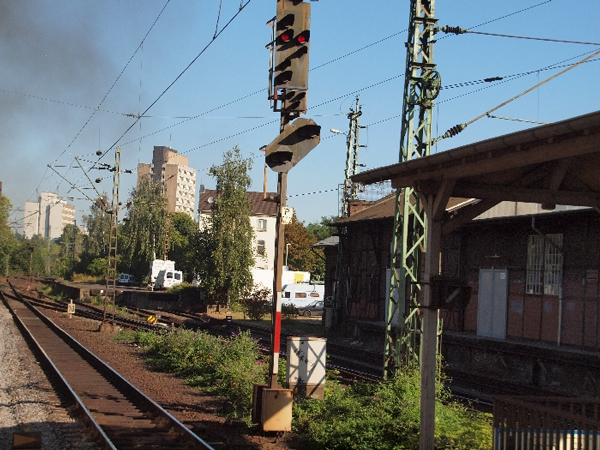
x: 48, y: 216
x: 171, y: 168
x: 263, y: 220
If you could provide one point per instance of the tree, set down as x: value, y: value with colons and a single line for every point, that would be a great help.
x: 182, y: 232
x: 300, y: 254
x: 142, y: 237
x: 8, y: 241
x: 95, y: 242
x: 322, y: 230
x: 70, y: 243
x: 225, y: 241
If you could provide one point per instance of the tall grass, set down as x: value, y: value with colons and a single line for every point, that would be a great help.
x: 369, y: 416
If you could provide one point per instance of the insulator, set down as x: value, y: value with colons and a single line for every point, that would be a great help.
x: 489, y: 80
x: 452, y: 132
x: 98, y: 180
x: 455, y: 130
x: 99, y: 152
x: 455, y: 30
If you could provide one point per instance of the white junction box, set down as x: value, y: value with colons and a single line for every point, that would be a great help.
x: 306, y: 366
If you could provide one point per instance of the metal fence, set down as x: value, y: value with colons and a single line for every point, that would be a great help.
x: 546, y: 423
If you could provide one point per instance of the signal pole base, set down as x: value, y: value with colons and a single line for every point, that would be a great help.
x: 277, y: 409
x: 272, y: 408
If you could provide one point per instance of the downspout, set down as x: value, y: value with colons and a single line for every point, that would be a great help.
x: 560, y: 286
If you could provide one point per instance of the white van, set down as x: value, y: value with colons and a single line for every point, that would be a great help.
x: 302, y: 294
x: 126, y: 278
x: 169, y: 278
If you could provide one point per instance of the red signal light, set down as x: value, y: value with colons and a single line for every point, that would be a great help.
x: 286, y: 36
x: 303, y: 37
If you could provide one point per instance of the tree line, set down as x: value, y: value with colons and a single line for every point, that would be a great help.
x: 219, y: 251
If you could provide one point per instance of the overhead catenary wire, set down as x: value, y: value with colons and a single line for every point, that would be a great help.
x: 312, y: 69
x: 458, y: 30
x: 219, y: 140
x: 460, y: 127
x: 97, y: 108
x: 181, y: 73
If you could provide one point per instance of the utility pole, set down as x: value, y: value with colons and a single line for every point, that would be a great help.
x: 421, y: 86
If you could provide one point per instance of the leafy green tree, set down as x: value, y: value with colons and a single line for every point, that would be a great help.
x: 299, y: 254
x: 225, y: 242
x: 38, y: 254
x: 8, y: 241
x: 142, y: 237
x: 182, y: 232
x: 95, y: 242
x: 322, y: 230
x: 70, y: 246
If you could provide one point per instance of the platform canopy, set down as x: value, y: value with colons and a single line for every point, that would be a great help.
x: 558, y: 163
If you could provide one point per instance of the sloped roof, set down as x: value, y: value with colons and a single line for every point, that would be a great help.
x: 552, y: 164
x: 260, y: 206
x: 331, y: 241
x: 384, y: 209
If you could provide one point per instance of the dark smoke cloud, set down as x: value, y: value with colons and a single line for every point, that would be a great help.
x: 48, y: 50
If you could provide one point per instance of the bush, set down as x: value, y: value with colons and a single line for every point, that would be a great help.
x: 228, y: 367
x: 288, y: 311
x: 386, y: 415
x: 256, y: 302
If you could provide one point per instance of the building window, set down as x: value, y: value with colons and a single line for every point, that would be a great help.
x: 262, y: 225
x: 260, y: 248
x: 544, y: 264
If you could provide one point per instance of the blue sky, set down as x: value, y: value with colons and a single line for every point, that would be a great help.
x: 71, y: 71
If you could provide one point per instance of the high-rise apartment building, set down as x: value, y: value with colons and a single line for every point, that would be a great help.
x: 48, y: 216
x: 171, y: 168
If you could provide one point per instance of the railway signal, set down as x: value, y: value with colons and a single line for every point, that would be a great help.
x: 293, y: 144
x: 292, y: 45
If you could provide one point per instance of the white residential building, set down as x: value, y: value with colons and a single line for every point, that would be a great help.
x: 48, y: 216
x: 263, y: 220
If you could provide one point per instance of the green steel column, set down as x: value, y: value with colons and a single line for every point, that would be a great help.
x: 421, y: 86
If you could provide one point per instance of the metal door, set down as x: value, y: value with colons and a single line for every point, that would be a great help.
x: 492, y: 303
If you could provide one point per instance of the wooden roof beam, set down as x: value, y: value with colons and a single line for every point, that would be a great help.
x: 556, y: 178
x: 529, y: 195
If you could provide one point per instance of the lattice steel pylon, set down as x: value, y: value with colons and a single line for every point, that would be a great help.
x: 111, y: 263
x: 350, y: 188
x: 421, y: 86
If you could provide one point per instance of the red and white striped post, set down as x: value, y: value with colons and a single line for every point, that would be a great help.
x: 277, y: 284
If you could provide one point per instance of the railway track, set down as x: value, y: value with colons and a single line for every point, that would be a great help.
x: 350, y: 363
x: 117, y: 414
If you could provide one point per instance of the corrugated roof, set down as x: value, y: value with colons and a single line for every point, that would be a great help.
x: 260, y: 206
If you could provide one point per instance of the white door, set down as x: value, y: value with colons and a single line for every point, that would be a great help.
x: 492, y: 303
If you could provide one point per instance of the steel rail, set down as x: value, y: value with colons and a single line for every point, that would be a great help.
x: 118, y: 420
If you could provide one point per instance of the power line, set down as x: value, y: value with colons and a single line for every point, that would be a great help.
x: 107, y: 93
x: 182, y: 72
x: 460, y: 127
x: 458, y: 30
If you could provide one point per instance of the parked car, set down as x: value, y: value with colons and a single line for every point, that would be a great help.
x: 313, y: 309
x: 126, y: 278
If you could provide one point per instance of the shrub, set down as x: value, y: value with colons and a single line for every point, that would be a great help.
x: 288, y: 311
x: 386, y: 415
x: 256, y: 302
x: 228, y: 367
